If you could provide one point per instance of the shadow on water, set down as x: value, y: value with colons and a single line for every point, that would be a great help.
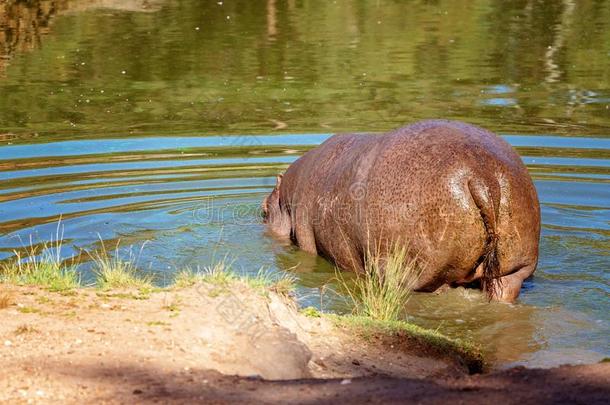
x: 165, y: 123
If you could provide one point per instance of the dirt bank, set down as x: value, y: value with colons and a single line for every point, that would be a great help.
x: 184, y: 345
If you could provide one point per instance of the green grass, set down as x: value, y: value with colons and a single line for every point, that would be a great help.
x: 217, y: 274
x: 28, y: 310
x: 185, y: 278
x: 311, y: 312
x: 157, y: 323
x: 142, y: 294
x: 221, y: 275
x: 403, y: 333
x: 264, y: 281
x: 41, y: 265
x: 386, y: 285
x: 113, y: 272
x: 43, y: 300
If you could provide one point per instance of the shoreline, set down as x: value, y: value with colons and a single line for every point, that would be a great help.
x: 221, y: 342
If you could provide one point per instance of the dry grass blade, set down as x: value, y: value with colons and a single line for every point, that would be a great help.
x: 6, y: 300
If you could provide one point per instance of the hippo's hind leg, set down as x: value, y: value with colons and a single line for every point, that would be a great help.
x: 305, y: 239
x: 302, y: 233
x: 507, y: 288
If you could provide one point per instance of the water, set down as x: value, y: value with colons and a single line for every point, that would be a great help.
x: 164, y: 123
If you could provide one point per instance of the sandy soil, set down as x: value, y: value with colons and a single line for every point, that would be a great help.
x: 206, y: 344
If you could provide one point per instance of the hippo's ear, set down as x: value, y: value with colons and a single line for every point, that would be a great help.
x: 265, y: 206
x: 273, y: 198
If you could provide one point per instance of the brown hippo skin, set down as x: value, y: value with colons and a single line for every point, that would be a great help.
x: 458, y: 196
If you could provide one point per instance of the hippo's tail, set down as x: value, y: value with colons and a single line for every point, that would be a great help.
x: 487, y: 200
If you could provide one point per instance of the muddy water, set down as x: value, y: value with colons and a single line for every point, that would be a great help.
x: 163, y: 123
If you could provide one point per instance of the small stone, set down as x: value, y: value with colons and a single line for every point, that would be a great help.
x: 137, y: 392
x: 355, y: 362
x: 346, y: 381
x: 8, y: 343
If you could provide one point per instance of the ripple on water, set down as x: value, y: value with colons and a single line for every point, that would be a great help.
x: 195, y: 199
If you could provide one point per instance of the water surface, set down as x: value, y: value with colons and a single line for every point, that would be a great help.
x: 164, y: 123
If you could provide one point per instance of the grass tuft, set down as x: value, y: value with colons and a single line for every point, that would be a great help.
x: 185, y: 278
x: 221, y: 275
x: 113, y: 272
x: 281, y: 284
x: 218, y: 273
x: 311, y: 312
x: 41, y: 265
x: 386, y: 285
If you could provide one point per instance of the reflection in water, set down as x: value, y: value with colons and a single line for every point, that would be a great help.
x: 22, y: 24
x: 242, y: 67
x: 117, y: 121
x: 560, y: 29
x: 271, y: 20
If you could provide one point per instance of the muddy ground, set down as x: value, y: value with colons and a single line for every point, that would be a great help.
x: 209, y: 344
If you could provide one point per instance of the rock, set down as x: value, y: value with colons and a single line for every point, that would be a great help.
x: 279, y: 355
x: 248, y: 338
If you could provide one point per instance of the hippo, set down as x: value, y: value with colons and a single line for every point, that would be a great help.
x: 457, y: 196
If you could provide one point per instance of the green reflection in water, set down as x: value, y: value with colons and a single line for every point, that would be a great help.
x: 71, y: 69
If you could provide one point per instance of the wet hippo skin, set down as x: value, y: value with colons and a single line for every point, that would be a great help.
x: 457, y: 196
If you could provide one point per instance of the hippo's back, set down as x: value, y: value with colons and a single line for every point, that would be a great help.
x: 323, y: 169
